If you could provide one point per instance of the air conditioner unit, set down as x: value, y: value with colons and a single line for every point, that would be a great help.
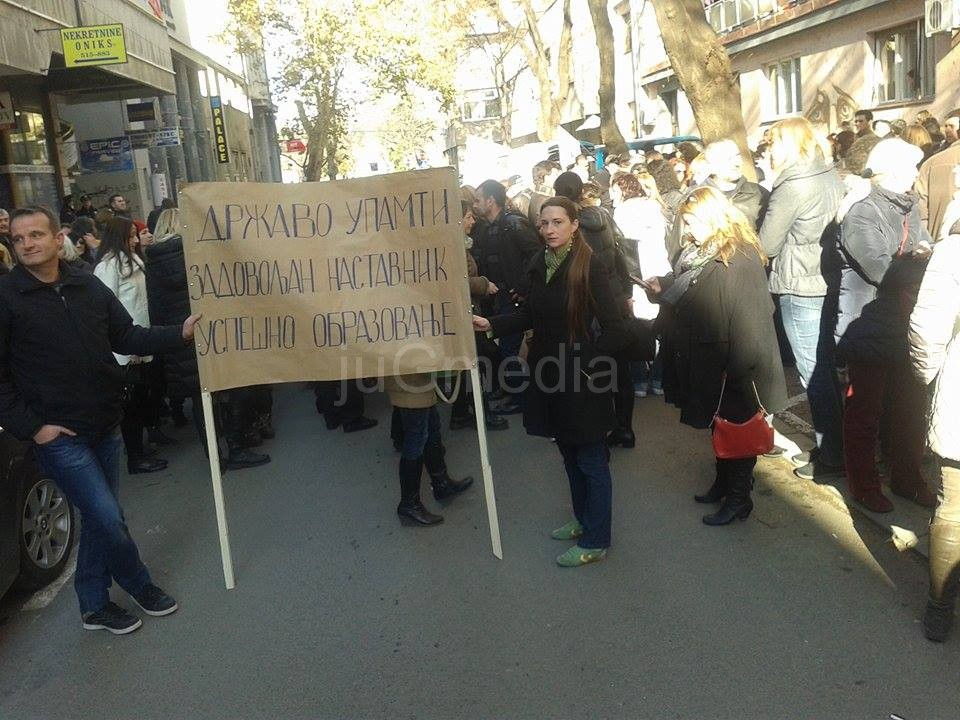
x: 940, y: 16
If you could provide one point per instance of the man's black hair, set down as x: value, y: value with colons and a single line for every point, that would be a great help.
x: 864, y: 113
x: 493, y: 189
x: 113, y: 197
x: 569, y: 185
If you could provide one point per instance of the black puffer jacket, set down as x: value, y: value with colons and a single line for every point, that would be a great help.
x: 600, y: 232
x: 168, y: 298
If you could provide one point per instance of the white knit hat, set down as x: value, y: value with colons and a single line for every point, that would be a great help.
x: 892, y: 156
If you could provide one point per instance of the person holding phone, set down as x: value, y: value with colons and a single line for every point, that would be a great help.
x: 570, y: 396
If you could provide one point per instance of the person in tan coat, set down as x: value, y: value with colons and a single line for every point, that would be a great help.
x: 415, y: 397
x: 936, y: 186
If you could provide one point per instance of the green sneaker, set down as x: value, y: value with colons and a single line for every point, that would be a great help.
x: 571, y: 531
x: 577, y: 556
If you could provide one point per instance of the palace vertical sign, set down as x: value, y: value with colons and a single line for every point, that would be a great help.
x: 219, y: 130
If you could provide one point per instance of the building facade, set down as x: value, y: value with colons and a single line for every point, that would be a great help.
x: 142, y: 128
x: 821, y: 59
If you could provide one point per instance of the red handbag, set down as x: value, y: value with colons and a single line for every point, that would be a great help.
x: 735, y: 441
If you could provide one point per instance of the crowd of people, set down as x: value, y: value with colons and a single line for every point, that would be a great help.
x: 691, y: 274
x: 838, y: 259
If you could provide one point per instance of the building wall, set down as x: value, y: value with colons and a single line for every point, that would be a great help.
x: 837, y: 69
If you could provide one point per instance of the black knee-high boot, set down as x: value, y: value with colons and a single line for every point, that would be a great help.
x: 944, y: 579
x: 410, y: 504
x: 718, y: 490
x: 443, y: 485
x: 737, y: 503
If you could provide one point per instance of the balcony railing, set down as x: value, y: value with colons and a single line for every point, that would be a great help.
x: 727, y: 15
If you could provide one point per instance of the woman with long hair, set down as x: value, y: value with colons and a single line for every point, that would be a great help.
x: 723, y: 355
x: 122, y: 270
x: 799, y: 234
x: 83, y: 233
x: 577, y: 324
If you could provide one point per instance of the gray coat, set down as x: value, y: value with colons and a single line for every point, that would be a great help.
x: 800, y: 226
x: 872, y: 317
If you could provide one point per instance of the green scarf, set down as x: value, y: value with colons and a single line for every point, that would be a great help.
x: 555, y: 259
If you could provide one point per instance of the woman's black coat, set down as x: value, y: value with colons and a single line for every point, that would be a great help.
x: 570, y: 395
x: 724, y: 324
x: 168, y: 298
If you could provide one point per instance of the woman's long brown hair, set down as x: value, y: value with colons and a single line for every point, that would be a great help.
x: 579, y: 296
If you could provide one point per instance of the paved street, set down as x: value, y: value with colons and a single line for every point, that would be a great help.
x: 339, y: 612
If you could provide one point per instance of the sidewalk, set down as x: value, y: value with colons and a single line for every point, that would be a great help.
x: 793, y: 423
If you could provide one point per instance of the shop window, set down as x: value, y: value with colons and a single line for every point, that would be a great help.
x: 785, y: 85
x: 904, y: 65
x: 480, y: 105
x: 28, y: 142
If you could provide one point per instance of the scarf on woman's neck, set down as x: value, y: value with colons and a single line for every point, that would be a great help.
x: 689, y: 265
x: 555, y: 258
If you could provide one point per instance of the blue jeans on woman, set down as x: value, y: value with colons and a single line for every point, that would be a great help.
x: 809, y: 323
x: 88, y: 473
x: 420, y: 427
x: 591, y: 490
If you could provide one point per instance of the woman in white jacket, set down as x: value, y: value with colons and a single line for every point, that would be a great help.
x: 935, y: 354
x: 641, y: 220
x: 120, y: 268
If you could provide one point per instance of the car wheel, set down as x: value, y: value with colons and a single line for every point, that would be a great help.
x: 46, y: 532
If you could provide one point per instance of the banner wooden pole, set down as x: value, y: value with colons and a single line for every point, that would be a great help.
x: 213, y: 451
x: 492, y: 518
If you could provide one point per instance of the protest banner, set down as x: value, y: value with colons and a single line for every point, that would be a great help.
x: 328, y: 281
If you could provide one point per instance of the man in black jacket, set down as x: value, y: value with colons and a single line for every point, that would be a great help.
x: 57, y: 324
x: 726, y: 175
x: 503, y: 256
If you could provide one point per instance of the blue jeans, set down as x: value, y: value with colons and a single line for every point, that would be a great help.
x: 420, y: 426
x: 809, y: 323
x: 89, y: 475
x: 591, y: 490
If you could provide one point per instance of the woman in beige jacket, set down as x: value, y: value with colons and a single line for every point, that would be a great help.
x: 416, y: 398
x: 935, y: 354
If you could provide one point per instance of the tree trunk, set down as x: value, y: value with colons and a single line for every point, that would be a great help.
x: 609, y: 130
x: 704, y: 72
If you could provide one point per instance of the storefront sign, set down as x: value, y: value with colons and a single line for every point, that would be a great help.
x: 141, y: 112
x: 27, y: 169
x: 294, y: 146
x: 219, y: 131
x: 328, y: 280
x: 106, y: 155
x: 167, y: 137
x: 8, y: 118
x: 93, y: 45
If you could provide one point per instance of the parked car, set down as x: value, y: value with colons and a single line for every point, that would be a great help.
x: 37, y: 522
